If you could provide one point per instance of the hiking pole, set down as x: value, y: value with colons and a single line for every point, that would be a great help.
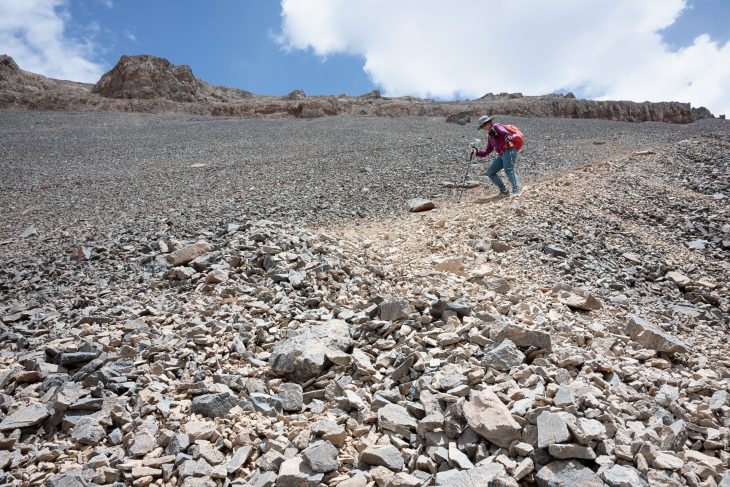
x: 466, y: 175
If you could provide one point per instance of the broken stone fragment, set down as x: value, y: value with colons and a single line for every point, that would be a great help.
x: 551, y: 428
x: 503, y: 356
x: 217, y: 405
x: 88, y: 431
x: 395, y: 418
x: 419, y: 204
x: 653, y: 337
x: 571, y: 450
x: 585, y: 303
x: 304, y: 356
x: 473, y: 477
x: 239, y: 458
x: 525, y: 337
x: 623, y: 476
x: 292, y: 397
x: 26, y: 417
x: 266, y: 404
x: 321, y: 456
x: 187, y: 254
x: 383, y: 455
x: 564, y: 473
x: 394, y: 310
x: 679, y: 279
x: 489, y: 417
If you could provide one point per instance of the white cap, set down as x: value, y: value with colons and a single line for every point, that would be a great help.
x: 485, y: 119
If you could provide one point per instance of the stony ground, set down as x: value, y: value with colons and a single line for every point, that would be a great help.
x: 230, y: 301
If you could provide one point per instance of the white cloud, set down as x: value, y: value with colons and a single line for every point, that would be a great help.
x: 130, y: 35
x: 466, y: 48
x: 33, y: 32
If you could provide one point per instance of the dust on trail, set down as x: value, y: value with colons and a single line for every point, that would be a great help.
x: 597, y: 213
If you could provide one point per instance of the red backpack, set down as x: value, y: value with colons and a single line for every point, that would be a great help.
x: 517, y: 138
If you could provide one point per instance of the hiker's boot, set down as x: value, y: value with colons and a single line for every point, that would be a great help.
x: 503, y: 194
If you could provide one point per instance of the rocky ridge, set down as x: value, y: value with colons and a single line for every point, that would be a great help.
x: 152, y: 84
x: 576, y: 335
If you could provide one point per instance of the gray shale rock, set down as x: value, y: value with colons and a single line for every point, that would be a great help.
x: 653, y: 337
x: 31, y: 415
x: 417, y: 205
x: 567, y: 474
x: 292, y: 397
x: 481, y: 476
x: 525, y: 337
x: 503, y: 356
x: 88, y: 431
x: 383, y: 455
x: 304, y: 356
x: 296, y: 473
x: 321, y: 456
x: 217, y: 405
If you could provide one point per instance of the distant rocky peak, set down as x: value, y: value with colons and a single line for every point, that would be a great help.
x: 146, y: 76
x: 7, y: 65
x: 14, y: 78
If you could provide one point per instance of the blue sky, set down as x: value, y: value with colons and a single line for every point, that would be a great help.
x: 225, y: 42
x: 657, y: 50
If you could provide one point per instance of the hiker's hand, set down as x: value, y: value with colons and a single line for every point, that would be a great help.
x: 473, y: 151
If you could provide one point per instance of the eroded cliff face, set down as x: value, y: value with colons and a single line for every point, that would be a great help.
x: 153, y: 84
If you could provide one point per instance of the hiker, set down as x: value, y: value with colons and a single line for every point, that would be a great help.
x: 499, y: 139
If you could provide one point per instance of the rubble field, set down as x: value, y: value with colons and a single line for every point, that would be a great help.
x: 198, y: 301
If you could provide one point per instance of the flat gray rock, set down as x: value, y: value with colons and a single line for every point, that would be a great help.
x: 525, y: 337
x: 383, y: 455
x: 623, y: 476
x: 653, y: 337
x: 474, y: 477
x: 551, y: 428
x: 321, y: 457
x: 567, y: 474
x: 296, y: 473
x: 420, y: 204
x: 503, y: 356
x: 292, y: 397
x: 88, y: 431
x: 395, y: 418
x: 217, y: 405
x: 26, y: 417
x: 571, y: 450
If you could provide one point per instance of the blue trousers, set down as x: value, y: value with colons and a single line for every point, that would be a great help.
x: 507, y: 162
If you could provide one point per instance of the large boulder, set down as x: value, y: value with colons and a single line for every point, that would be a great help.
x: 304, y: 356
x: 149, y: 77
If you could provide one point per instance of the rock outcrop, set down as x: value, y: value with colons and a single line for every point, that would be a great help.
x: 147, y: 77
x: 152, y: 84
x: 12, y: 78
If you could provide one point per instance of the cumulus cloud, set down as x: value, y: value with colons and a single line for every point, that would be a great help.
x: 34, y: 33
x: 466, y: 48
